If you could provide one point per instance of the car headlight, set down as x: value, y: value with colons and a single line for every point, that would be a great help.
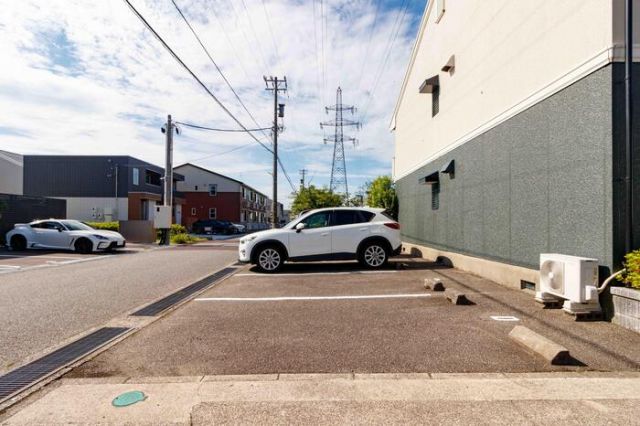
x: 248, y: 239
x: 100, y: 237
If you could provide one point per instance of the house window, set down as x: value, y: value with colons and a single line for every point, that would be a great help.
x: 212, y: 213
x: 136, y: 176
x: 152, y: 178
x: 193, y: 211
x: 213, y: 190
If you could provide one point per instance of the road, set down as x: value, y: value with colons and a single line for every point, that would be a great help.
x: 42, y: 307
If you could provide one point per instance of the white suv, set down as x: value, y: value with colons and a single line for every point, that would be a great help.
x: 338, y: 233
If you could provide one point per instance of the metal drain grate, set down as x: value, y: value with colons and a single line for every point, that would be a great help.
x: 174, y: 298
x: 28, y: 375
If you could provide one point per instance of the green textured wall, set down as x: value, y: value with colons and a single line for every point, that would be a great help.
x: 540, y: 182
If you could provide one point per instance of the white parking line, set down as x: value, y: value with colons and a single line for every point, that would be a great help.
x: 303, y: 274
x: 504, y: 318
x: 289, y: 298
x: 37, y: 256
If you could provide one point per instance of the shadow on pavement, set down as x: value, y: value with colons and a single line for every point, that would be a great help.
x: 400, y: 262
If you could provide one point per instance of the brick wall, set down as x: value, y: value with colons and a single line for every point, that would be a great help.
x: 227, y: 205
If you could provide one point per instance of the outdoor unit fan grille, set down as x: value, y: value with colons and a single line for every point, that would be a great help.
x: 552, y: 276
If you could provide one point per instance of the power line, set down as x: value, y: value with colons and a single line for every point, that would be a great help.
x: 262, y: 129
x: 255, y: 36
x: 213, y: 129
x: 195, y: 77
x: 366, y: 55
x: 315, y: 49
x: 273, y: 38
x: 233, y: 48
x: 397, y: 26
x: 221, y: 153
x: 206, y: 51
x: 322, y: 37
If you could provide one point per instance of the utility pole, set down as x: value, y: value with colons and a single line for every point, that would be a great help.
x: 168, y: 175
x: 339, y: 167
x: 303, y: 173
x: 276, y: 85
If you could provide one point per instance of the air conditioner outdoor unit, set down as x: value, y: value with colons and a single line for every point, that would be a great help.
x: 572, y: 278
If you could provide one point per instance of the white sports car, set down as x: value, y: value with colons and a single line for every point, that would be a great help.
x: 62, y: 234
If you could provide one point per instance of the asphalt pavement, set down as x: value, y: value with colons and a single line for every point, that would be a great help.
x: 42, y: 307
x: 338, y: 318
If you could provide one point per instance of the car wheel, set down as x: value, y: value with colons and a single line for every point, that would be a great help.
x: 83, y: 246
x: 373, y: 255
x: 18, y: 243
x: 269, y: 259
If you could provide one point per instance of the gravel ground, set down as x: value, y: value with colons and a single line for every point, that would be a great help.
x: 41, y: 308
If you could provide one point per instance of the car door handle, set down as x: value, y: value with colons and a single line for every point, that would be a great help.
x: 363, y: 229
x: 324, y: 235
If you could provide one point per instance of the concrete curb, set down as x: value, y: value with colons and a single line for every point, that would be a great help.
x: 548, y: 349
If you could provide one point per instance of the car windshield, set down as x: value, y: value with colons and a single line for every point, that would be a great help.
x: 74, y: 225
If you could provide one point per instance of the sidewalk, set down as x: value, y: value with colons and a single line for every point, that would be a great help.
x: 522, y: 398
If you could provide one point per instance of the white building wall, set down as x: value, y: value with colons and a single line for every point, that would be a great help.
x: 195, y: 177
x: 509, y: 55
x: 97, y: 209
x: 11, y: 173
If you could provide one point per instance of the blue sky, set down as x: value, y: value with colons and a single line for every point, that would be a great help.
x: 87, y: 78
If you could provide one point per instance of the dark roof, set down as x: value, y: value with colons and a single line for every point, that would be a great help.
x: 208, y: 171
x: 128, y: 160
x: 220, y: 175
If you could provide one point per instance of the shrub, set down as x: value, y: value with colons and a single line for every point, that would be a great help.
x: 184, y: 238
x: 107, y: 226
x: 631, y: 275
x: 178, y: 229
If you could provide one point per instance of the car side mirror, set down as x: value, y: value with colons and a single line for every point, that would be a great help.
x: 300, y: 227
x: 60, y: 229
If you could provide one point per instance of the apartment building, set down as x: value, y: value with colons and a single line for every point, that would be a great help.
x: 210, y: 195
x: 509, y: 134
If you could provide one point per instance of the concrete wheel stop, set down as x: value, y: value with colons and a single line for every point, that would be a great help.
x: 434, y: 284
x: 551, y: 351
x: 456, y: 297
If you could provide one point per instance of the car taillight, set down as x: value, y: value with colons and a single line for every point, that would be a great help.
x: 392, y: 225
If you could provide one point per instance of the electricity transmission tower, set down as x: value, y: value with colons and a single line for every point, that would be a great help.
x: 339, y: 168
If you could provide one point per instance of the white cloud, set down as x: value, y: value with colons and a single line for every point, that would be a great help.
x: 87, y: 78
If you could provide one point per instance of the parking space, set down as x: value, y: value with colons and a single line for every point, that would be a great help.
x: 338, y: 318
x: 11, y: 261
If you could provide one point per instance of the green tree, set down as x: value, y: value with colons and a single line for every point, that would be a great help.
x: 314, y: 198
x: 381, y: 192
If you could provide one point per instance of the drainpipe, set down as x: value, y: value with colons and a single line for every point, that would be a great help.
x: 628, y: 111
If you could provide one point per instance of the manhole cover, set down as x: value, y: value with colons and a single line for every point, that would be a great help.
x: 128, y: 398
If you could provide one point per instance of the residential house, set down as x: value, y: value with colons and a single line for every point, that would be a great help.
x: 16, y: 207
x: 100, y: 188
x: 509, y: 134
x: 211, y: 195
x: 11, y: 171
